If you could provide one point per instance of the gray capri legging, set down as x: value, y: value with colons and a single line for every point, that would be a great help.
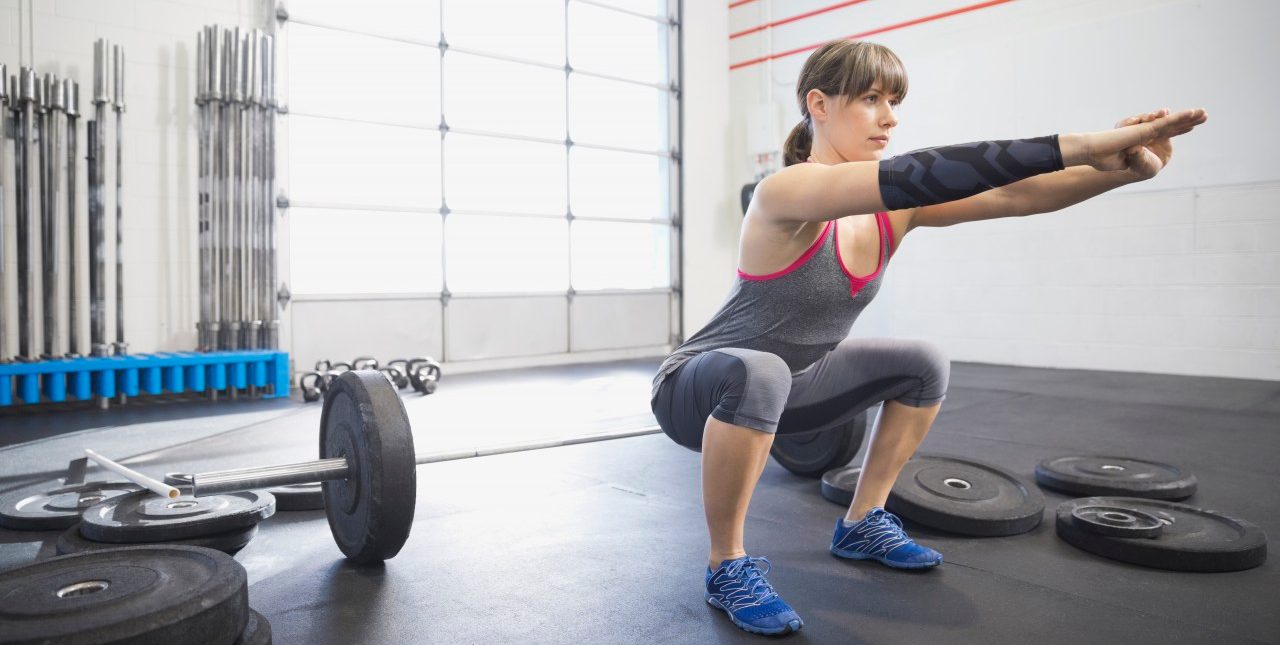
x: 755, y: 389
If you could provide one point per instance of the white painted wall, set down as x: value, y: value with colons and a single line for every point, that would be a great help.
x: 161, y: 271
x: 1176, y: 275
x: 712, y: 217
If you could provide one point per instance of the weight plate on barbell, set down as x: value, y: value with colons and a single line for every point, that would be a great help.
x: 1118, y: 521
x: 1193, y: 539
x: 964, y: 496
x: 813, y: 453
x: 71, y: 541
x: 1123, y: 476
x: 138, y: 594
x: 370, y: 511
x: 146, y: 517
x: 54, y: 505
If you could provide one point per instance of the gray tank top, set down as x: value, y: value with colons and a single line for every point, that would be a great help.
x: 798, y: 313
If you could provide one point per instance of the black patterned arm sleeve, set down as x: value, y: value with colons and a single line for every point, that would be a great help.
x: 947, y: 173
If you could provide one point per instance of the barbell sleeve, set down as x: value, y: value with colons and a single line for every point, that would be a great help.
x: 227, y: 481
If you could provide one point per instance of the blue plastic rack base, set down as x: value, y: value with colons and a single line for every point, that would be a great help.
x: 84, y: 378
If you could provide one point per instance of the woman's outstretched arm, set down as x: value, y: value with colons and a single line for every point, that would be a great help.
x: 1055, y: 191
x: 817, y: 192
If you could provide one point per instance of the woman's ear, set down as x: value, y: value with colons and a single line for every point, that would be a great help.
x: 817, y: 102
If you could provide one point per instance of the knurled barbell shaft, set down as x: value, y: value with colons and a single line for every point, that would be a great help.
x: 310, y: 472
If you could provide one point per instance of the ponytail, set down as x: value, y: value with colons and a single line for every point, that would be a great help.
x: 799, y: 144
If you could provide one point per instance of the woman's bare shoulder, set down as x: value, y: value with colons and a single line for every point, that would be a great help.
x: 768, y: 245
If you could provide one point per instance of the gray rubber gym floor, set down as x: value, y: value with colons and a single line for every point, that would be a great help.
x: 605, y: 542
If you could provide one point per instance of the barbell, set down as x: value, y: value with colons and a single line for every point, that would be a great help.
x: 367, y: 466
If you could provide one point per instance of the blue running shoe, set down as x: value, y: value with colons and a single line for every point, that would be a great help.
x: 739, y: 588
x: 879, y: 536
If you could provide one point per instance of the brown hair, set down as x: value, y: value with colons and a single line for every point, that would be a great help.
x: 844, y: 68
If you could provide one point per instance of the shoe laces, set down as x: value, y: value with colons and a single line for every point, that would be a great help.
x: 752, y: 577
x: 881, y: 516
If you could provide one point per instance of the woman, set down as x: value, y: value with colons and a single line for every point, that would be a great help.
x: 815, y: 243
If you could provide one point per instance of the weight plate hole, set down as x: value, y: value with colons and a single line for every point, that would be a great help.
x: 83, y: 588
x: 1112, y: 467
x: 183, y: 504
x: 1118, y: 517
x: 957, y: 483
x: 89, y: 499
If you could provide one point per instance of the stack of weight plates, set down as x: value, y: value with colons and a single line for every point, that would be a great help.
x: 1130, y: 517
x: 1160, y: 534
x: 223, y: 522
x: 139, y: 594
x: 55, y: 505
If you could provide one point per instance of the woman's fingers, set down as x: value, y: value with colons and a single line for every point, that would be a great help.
x: 1177, y: 123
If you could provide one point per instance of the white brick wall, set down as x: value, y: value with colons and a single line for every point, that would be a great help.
x: 1178, y: 275
x: 161, y: 272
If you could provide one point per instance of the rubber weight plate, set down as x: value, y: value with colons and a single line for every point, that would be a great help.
x: 146, y: 517
x: 140, y: 594
x: 298, y: 497
x: 1193, y: 539
x: 256, y: 632
x: 965, y: 496
x: 813, y: 453
x: 71, y: 541
x: 1117, y: 521
x: 1123, y: 476
x: 840, y: 484
x: 371, y: 511
x: 54, y: 505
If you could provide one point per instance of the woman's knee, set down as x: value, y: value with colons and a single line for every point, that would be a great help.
x: 934, y: 367
x: 736, y: 386
x: 756, y: 387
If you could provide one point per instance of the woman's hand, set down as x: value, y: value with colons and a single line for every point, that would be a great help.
x: 1126, y: 147
x: 1146, y: 161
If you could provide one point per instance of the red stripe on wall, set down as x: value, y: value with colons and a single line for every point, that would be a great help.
x: 894, y: 27
x: 795, y: 18
x: 739, y: 3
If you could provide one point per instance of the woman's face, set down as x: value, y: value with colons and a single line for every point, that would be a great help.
x: 856, y: 129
